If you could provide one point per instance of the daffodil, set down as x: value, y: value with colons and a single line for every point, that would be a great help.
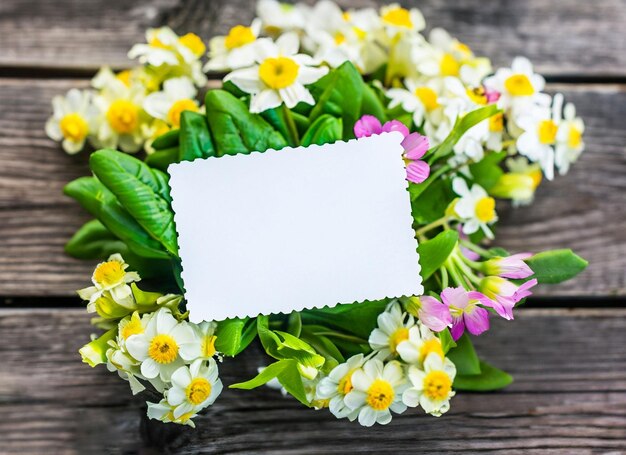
x: 376, y: 391
x: 398, y: 20
x: 204, y: 347
x: 164, y: 412
x: 518, y: 86
x: 277, y: 17
x: 74, y: 118
x: 163, y: 347
x: 163, y: 46
x: 234, y: 50
x: 337, y: 385
x: 393, y: 328
x: 420, y: 343
x: 194, y: 387
x: 110, y: 276
x: 569, y: 139
x: 431, y: 388
x: 178, y: 95
x: 420, y: 98
x: 475, y: 208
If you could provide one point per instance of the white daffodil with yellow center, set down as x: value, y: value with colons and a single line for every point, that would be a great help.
x: 420, y: 343
x: 398, y: 20
x: 518, y: 86
x: 337, y: 385
x: 74, y: 118
x: 376, y: 391
x: 569, y: 139
x: 194, y: 387
x: 110, y: 276
x: 277, y: 17
x: 279, y: 76
x: 164, y: 412
x: 431, y: 388
x: 421, y: 98
x: 163, y: 46
x: 235, y: 49
x: 178, y: 95
x: 475, y: 208
x: 393, y: 328
x: 204, y: 348
x: 163, y: 346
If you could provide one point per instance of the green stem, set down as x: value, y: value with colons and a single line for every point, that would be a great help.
x: 342, y: 336
x: 467, y: 272
x: 444, y: 278
x: 294, y: 138
x: 476, y: 249
x: 454, y: 274
x: 440, y: 222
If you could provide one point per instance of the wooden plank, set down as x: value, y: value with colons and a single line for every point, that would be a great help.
x: 585, y: 210
x: 563, y: 38
x: 569, y: 397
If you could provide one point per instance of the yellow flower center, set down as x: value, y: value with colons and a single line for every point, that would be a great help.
x: 239, y: 36
x: 519, y: 85
x: 156, y: 42
x: 448, y: 66
x: 463, y: 48
x: 398, y: 16
x: 496, y: 123
x: 430, y: 346
x: 208, y: 346
x: 198, y: 391
x: 398, y: 337
x: 380, y: 395
x: 193, y: 42
x: 547, y: 131
x: 477, y: 95
x: 574, y: 138
x: 485, y: 209
x: 123, y: 116
x: 339, y: 38
x: 186, y: 104
x: 133, y: 327
x: 74, y: 127
x: 163, y: 349
x: 536, y: 176
x: 428, y: 97
x: 345, y: 384
x: 437, y: 385
x: 360, y: 33
x: 124, y: 77
x: 109, y: 273
x: 279, y: 72
x: 346, y: 16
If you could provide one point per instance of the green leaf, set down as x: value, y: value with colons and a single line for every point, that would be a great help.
x: 431, y: 204
x: 487, y: 171
x: 294, y: 324
x: 102, y: 204
x: 291, y: 380
x: 490, y: 378
x: 339, y: 94
x: 230, y: 335
x: 356, y: 318
x: 142, y: 191
x: 94, y: 353
x: 464, y: 357
x: 325, y: 129
x: 556, y: 266
x: 161, y: 159
x: 94, y: 241
x: 447, y: 342
x: 235, y: 130
x: 166, y: 141
x: 144, y: 298
x: 461, y: 125
x: 195, y: 138
x: 434, y: 252
x: 372, y: 105
x: 267, y: 374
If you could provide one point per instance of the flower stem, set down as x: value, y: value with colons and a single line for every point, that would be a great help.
x: 476, y: 249
x: 294, y: 138
x: 440, y: 222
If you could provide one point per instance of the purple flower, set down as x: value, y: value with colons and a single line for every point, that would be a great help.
x: 502, y: 294
x: 367, y: 126
x: 465, y: 312
x: 434, y: 314
x: 509, y: 267
x: 395, y: 125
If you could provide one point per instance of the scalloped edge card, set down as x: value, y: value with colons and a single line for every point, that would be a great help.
x: 295, y: 229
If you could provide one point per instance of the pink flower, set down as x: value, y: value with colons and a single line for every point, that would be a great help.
x: 396, y: 125
x: 434, y: 314
x: 509, y: 267
x: 502, y: 294
x: 466, y: 313
x: 367, y: 126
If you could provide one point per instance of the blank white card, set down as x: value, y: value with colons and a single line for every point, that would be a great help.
x: 296, y: 228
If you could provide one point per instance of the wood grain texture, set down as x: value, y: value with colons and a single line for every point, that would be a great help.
x: 569, y: 397
x: 563, y: 38
x: 585, y: 210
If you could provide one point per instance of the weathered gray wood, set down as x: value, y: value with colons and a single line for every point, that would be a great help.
x: 585, y: 210
x: 567, y: 37
x: 569, y: 397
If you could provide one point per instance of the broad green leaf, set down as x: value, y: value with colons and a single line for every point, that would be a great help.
x: 339, y: 94
x: 94, y: 241
x: 498, y: 251
x: 431, y: 204
x: 324, y: 130
x: 556, y: 266
x: 142, y: 191
x: 291, y: 380
x: 464, y: 357
x: 434, y: 252
x: 230, y: 334
x: 144, y: 298
x: 195, y: 138
x: 166, y: 141
x: 447, y: 342
x: 101, y: 203
x: 235, y: 130
x: 294, y: 324
x: 490, y: 378
x: 487, y: 171
x: 161, y: 159
x: 355, y: 318
x: 267, y: 374
x: 372, y: 105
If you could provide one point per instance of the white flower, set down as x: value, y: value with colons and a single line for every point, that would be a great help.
x: 337, y: 385
x: 73, y: 119
x: 178, y: 95
x: 432, y: 387
x: 420, y: 343
x: 164, y: 47
x: 110, y: 276
x: 393, y: 328
x: 475, y: 207
x: 517, y: 85
x: 377, y: 390
x: 204, y: 347
x: 165, y: 413
x: 280, y: 75
x: 194, y: 387
x: 420, y: 98
x: 234, y: 50
x: 396, y: 19
x: 278, y: 17
x: 164, y: 345
x: 569, y: 141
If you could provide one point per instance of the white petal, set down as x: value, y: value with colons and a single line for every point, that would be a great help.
x: 288, y: 43
x: 367, y: 417
x: 411, y: 397
x: 175, y: 396
x: 266, y: 99
x: 247, y: 79
x: 355, y: 399
x: 307, y: 75
x: 157, y: 105
x: 149, y: 368
x: 295, y: 94
x: 137, y: 346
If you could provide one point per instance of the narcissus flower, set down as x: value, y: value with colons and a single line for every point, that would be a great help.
x: 518, y: 85
x: 278, y: 17
x: 475, y: 208
x: 397, y: 19
x: 178, y: 95
x: 420, y: 344
x: 465, y: 311
x: 234, y: 50
x: 569, y: 139
x: 377, y: 390
x: 73, y: 119
x: 337, y: 385
x: 110, y: 276
x: 164, y: 412
x: 279, y: 76
x: 194, y: 387
x: 431, y: 388
x: 393, y: 328
x: 163, y: 46
x: 204, y: 348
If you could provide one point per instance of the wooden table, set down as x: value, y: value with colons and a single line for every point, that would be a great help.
x: 566, y: 350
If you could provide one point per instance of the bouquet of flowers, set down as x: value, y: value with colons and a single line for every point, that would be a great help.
x: 301, y: 75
